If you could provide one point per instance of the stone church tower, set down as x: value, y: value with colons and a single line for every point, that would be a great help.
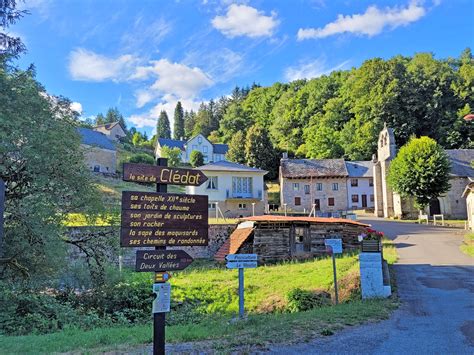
x: 383, y: 194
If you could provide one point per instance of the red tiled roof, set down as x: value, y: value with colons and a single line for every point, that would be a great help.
x: 269, y: 218
x: 233, y: 243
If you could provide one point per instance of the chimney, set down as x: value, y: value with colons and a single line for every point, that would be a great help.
x: 181, y: 138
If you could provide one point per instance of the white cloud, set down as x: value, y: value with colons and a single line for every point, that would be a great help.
x: 243, y: 20
x: 149, y: 119
x: 77, y: 107
x: 89, y: 66
x: 221, y: 65
x: 145, y: 34
x: 370, y: 23
x: 174, y: 79
x: 311, y: 69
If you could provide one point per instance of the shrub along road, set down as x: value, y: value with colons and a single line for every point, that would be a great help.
x: 436, y: 286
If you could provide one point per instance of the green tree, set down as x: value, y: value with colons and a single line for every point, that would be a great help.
x: 172, y: 154
x: 114, y: 115
x: 236, y: 152
x: 9, y: 15
x: 137, y: 139
x: 99, y: 119
x: 178, y: 131
x: 163, y: 126
x: 189, y: 122
x: 196, y: 158
x: 420, y: 170
x: 259, y: 151
x: 43, y: 166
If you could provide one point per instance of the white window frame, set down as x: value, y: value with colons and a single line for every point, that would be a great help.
x: 212, y: 183
x: 199, y: 139
x: 307, y: 189
x: 296, y: 186
x: 211, y: 206
x: 242, y: 206
x: 319, y: 186
x: 335, y: 186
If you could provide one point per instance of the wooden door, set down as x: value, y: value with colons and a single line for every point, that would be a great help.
x: 317, y: 204
x: 364, y: 200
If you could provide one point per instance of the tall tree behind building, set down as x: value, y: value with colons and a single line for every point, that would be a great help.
x: 259, y: 151
x: 178, y: 131
x: 163, y: 126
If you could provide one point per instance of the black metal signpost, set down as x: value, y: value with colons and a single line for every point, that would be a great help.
x: 161, y: 219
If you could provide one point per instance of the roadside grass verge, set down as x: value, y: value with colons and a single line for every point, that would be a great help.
x: 255, y: 330
x: 389, y: 251
x: 451, y: 223
x: 468, y: 244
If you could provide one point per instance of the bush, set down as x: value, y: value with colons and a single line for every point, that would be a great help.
x: 196, y: 158
x: 304, y: 300
x: 142, y: 158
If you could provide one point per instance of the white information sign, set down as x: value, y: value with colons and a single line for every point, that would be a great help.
x: 241, y: 257
x: 161, y: 303
x: 335, y: 244
x: 241, y: 264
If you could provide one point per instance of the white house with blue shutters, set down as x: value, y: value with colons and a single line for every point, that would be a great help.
x: 235, y: 189
x: 212, y: 152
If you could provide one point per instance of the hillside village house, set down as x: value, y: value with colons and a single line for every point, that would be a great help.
x: 468, y: 194
x: 390, y: 204
x: 100, y: 153
x: 212, y: 152
x: 114, y: 131
x: 360, y: 185
x: 236, y: 190
x: 304, y: 182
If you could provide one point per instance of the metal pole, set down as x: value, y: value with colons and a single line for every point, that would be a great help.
x: 285, y: 208
x: 335, y: 277
x: 159, y: 318
x: 253, y: 208
x: 2, y: 209
x: 241, y: 293
x: 217, y: 211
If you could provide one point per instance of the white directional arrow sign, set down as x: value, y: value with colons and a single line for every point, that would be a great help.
x: 241, y: 257
x: 241, y: 264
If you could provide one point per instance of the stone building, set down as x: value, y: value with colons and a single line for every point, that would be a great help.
x: 99, y: 151
x: 308, y: 182
x: 114, y: 131
x: 390, y: 204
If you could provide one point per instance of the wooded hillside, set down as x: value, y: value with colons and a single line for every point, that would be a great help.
x: 340, y: 115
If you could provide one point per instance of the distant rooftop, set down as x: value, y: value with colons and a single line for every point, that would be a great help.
x: 360, y: 168
x: 306, y: 168
x: 109, y: 126
x: 270, y: 218
x: 172, y: 143
x: 95, y: 139
x: 229, y: 166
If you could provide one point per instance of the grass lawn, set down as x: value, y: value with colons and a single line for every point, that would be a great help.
x: 468, y: 245
x: 256, y: 330
x: 213, y: 291
x: 453, y: 223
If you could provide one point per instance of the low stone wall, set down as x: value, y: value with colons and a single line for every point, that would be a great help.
x: 218, y: 233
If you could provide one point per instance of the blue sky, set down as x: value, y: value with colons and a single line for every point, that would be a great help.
x: 143, y: 56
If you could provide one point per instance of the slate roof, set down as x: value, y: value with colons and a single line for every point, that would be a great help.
x: 109, y: 126
x: 305, y: 168
x: 95, y: 139
x: 224, y: 165
x: 175, y: 143
x: 360, y: 168
x: 220, y: 148
x: 271, y: 218
x: 172, y: 143
x: 461, y: 162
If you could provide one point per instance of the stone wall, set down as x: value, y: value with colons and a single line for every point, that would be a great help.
x: 218, y: 233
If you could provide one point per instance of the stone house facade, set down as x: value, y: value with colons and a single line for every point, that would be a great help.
x: 305, y: 183
x: 99, y: 152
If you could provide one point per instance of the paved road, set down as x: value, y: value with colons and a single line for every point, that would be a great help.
x: 436, y: 287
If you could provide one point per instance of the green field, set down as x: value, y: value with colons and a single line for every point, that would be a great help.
x: 204, y: 302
